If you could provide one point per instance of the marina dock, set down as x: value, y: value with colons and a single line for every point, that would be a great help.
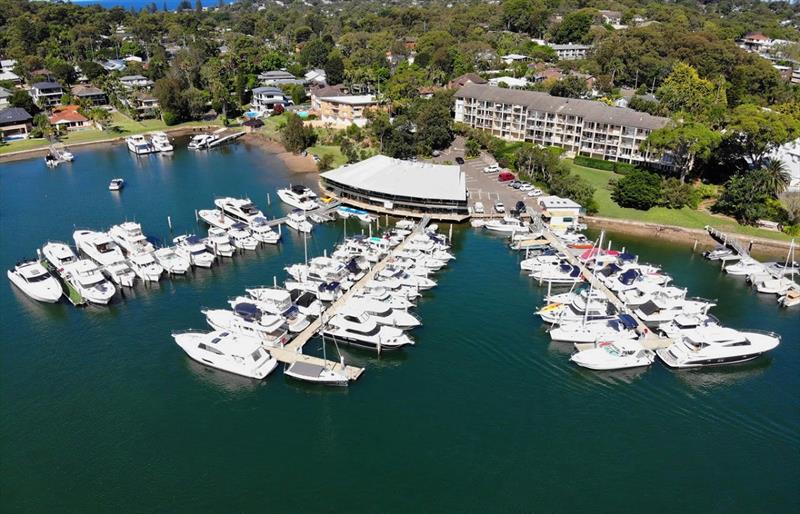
x: 225, y: 135
x: 292, y: 352
x: 727, y: 241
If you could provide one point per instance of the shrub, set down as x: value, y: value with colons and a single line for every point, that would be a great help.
x: 617, y: 167
x: 740, y: 200
x: 675, y: 194
x: 639, y: 190
x: 325, y: 162
x: 473, y: 148
x: 569, y: 185
x: 791, y: 230
x: 169, y: 118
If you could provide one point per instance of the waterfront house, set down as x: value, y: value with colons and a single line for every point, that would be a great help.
x: 143, y: 104
x: 15, y: 123
x: 47, y: 94
x: 346, y: 110
x: 68, y: 118
x: 5, y: 96
x: 267, y: 97
x: 7, y: 64
x: 562, y: 214
x: 514, y: 58
x: 278, y: 78
x: 320, y: 92
x: 571, y: 52
x: 581, y: 127
x: 789, y: 154
x: 135, y: 81
x: 90, y: 94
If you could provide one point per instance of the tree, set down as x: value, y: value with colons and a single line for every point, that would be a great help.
x: 743, y: 198
x: 23, y: 100
x: 529, y: 16
x: 295, y: 135
x: 775, y: 179
x: 315, y: 52
x: 685, y: 143
x: 434, y: 123
x: 325, y: 162
x: 684, y: 91
x: 334, y: 68
x: 574, y: 28
x: 638, y: 189
x: 472, y: 148
x: 91, y: 69
x: 570, y: 87
x: 755, y: 132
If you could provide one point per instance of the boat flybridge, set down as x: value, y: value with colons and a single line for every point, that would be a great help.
x: 381, y: 312
x: 238, y: 209
x: 299, y: 197
x: 98, y: 246
x: 218, y: 242
x: 611, y: 355
x: 262, y: 232
x: 713, y: 345
x: 241, y: 238
x: 146, y: 267
x: 307, y: 302
x: 622, y: 327
x: 172, y: 263
x: 274, y: 301
x: 248, y: 320
x: 298, y: 221
x: 661, y: 310
x: 216, y: 218
x: 201, y: 141
x: 35, y: 281
x: 120, y: 273
x: 226, y: 351
x: 190, y: 247
x: 130, y: 238
x: 325, y: 291
x: 82, y: 274
x: 139, y: 145
x: 160, y: 142
x: 364, y: 332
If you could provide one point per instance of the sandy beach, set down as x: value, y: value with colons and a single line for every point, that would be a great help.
x: 295, y: 162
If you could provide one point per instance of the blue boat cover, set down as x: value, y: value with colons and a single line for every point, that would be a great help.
x: 629, y: 277
x: 240, y: 226
x: 626, y: 257
x: 248, y: 311
x: 627, y: 321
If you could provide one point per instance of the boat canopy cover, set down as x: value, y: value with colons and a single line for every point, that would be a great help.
x: 609, y: 270
x: 627, y: 321
x: 297, y: 189
x: 565, y: 268
x: 291, y: 311
x: 304, y: 299
x: 353, y: 266
x: 649, y: 307
x: 629, y: 277
x: 331, y: 286
x: 626, y: 257
x: 259, y: 221
x: 240, y: 226
x: 193, y: 240
x: 248, y: 311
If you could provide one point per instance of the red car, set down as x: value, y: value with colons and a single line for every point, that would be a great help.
x: 505, y: 176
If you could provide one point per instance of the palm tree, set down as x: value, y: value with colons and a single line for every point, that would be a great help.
x: 774, y: 177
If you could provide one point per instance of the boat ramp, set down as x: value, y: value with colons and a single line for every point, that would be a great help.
x: 225, y: 135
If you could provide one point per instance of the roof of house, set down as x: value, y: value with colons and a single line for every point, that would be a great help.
x: 336, y: 90
x: 132, y: 78
x: 554, y: 202
x: 587, y: 109
x: 8, y: 75
x: 46, y: 85
x: 275, y: 74
x: 756, y: 36
x: 570, y: 46
x: 468, y: 77
x: 86, y: 90
x: 144, y: 97
x: 351, y: 99
x: 66, y: 114
x: 14, y: 115
x: 384, y: 175
x: 5, y: 93
x: 268, y: 89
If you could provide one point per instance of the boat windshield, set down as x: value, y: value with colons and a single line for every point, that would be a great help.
x: 38, y: 278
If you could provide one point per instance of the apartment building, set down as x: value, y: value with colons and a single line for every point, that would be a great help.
x: 342, y: 111
x: 571, y: 52
x: 581, y: 127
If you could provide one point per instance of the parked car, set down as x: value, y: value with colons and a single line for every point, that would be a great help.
x: 479, y: 209
x: 526, y: 187
x: 535, y: 192
x: 492, y: 168
x: 505, y: 176
x: 459, y: 160
x: 499, y: 207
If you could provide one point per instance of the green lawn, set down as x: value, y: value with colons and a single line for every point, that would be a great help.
x: 685, y: 217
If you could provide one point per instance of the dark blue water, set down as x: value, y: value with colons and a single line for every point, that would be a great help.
x: 102, y: 412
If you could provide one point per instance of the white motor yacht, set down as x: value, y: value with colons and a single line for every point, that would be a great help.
x: 216, y: 218
x: 89, y: 282
x: 325, y: 291
x: 623, y: 327
x: 199, y: 142
x: 116, y: 184
x: 58, y: 255
x: 382, y: 313
x: 120, y: 273
x: 229, y: 352
x: 146, y: 267
x: 540, y: 261
x: 130, y: 238
x: 160, y: 142
x: 218, y: 242
x: 242, y: 210
x: 563, y: 273
x: 777, y: 286
x: 274, y: 302
x: 672, y: 329
x: 790, y: 299
x: 613, y: 355
x: 262, y: 231
x: 321, y: 269
x: 35, y: 281
x: 62, y: 258
x: 557, y: 313
x: 363, y: 332
x: 172, y: 263
x: 241, y: 238
x: 660, y: 310
x: 316, y: 374
x: 248, y: 320
x: 405, y: 278
x: 717, y: 253
x: 98, y: 246
x: 507, y: 224
x: 713, y: 345
x: 299, y: 197
x: 307, y: 302
x: 644, y: 292
x: 139, y: 145
x: 297, y: 220
x: 746, y: 266
x: 190, y: 247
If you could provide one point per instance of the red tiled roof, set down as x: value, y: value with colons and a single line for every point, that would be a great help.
x: 67, y: 114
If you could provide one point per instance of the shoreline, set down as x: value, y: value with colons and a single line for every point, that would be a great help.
x: 295, y: 162
x: 686, y: 236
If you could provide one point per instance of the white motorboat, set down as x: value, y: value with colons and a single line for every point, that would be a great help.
x: 248, y: 320
x: 746, y: 266
x: 160, y: 142
x: 299, y: 197
x: 613, y: 355
x: 116, y: 184
x: 540, y: 261
x: 563, y: 273
x: 241, y: 238
x: 790, y: 299
x: 172, y: 263
x: 62, y: 258
x: 316, y: 374
x: 120, y: 273
x: 713, y: 345
x: 241, y: 210
x: 130, y: 238
x: 381, y: 313
x: 660, y: 310
x: 58, y: 255
x: 647, y: 291
x: 199, y: 141
x: 321, y: 269
x: 405, y: 278
x: 672, y: 329
x: 216, y: 218
x: 89, y: 282
x: 218, y: 242
x: 307, y: 302
x: 139, y: 145
x: 777, y: 286
x: 377, y: 291
x: 146, y: 267
x: 262, y: 231
x: 190, y: 247
x: 559, y: 313
x: 278, y: 302
x: 364, y: 332
x: 325, y: 291
x: 35, y: 281
x: 718, y: 252
x: 229, y: 352
x: 623, y: 327
x: 507, y: 224
x: 405, y: 224
x: 297, y: 220
x: 98, y: 246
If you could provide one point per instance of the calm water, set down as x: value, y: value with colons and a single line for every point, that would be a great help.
x: 102, y: 412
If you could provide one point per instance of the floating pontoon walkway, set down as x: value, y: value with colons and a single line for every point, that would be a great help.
x: 325, y: 212
x: 225, y: 135
x: 292, y: 352
x: 727, y: 241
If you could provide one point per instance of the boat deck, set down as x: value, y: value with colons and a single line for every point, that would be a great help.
x: 70, y: 292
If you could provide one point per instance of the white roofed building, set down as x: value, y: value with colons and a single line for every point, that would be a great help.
x: 405, y: 187
x: 561, y: 214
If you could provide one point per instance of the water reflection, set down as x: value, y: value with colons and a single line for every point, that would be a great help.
x: 223, y: 380
x: 618, y: 376
x: 39, y: 310
x: 706, y: 380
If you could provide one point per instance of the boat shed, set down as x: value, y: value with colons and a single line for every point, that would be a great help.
x: 561, y: 214
x: 398, y: 186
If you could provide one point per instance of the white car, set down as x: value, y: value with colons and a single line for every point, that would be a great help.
x: 526, y: 187
x: 499, y: 207
x: 479, y: 209
x: 492, y: 168
x: 535, y: 192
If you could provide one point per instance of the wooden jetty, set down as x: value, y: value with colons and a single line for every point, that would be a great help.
x: 727, y: 240
x: 324, y: 211
x: 225, y: 136
x: 292, y: 351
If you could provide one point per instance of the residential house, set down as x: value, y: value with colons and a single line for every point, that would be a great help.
x: 756, y: 42
x: 514, y: 58
x: 789, y: 154
x: 581, y: 127
x: 613, y: 18
x: 316, y: 77
x: 5, y: 96
x: 133, y: 58
x: 265, y: 99
x: 513, y: 83
x: 89, y: 93
x: 47, y: 94
x: 467, y: 78
x: 10, y: 76
x: 550, y: 73
x: 135, y: 81
x: 68, y: 118
x: 571, y: 52
x: 278, y: 78
x: 319, y: 92
x: 427, y: 92
x: 144, y: 104
x: 343, y: 111
x: 7, y: 64
x: 561, y: 214
x: 15, y: 123
x: 114, y: 65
